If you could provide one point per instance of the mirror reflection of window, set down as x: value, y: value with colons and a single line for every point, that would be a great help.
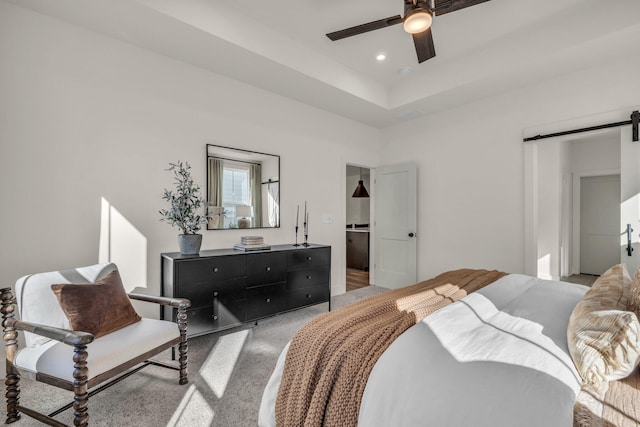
x: 243, y: 188
x: 235, y: 188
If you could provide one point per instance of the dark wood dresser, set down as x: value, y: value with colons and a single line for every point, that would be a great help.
x: 228, y: 287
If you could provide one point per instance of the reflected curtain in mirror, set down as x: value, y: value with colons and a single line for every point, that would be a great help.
x: 255, y: 188
x: 273, y: 202
x: 214, y: 196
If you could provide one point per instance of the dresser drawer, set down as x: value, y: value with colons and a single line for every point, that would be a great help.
x: 266, y: 268
x: 307, y: 296
x: 206, y: 270
x: 265, y: 300
x: 309, y: 277
x: 304, y: 258
x: 215, y: 316
x: 201, y: 294
x: 228, y: 310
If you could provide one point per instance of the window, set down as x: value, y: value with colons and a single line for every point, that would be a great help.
x: 235, y: 189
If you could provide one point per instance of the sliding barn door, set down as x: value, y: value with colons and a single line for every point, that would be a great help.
x: 395, y: 207
x: 629, y: 200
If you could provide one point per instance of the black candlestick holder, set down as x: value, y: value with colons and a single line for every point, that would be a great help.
x: 305, y: 244
x: 296, y: 244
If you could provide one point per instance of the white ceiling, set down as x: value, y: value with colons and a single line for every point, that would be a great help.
x: 280, y: 46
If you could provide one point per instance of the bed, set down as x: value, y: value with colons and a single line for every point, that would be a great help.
x: 490, y: 354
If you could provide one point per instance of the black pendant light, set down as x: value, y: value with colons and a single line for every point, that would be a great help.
x: 360, y: 190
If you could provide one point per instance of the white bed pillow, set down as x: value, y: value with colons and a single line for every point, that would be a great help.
x: 634, y: 294
x: 603, y: 337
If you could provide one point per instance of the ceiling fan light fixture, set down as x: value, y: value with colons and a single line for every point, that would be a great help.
x: 417, y: 20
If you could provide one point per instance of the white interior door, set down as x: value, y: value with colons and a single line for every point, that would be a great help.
x: 630, y: 199
x: 599, y: 222
x: 395, y: 209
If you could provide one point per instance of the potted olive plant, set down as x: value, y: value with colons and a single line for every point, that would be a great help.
x: 185, y: 205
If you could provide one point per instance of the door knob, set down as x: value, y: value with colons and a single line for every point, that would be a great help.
x: 411, y: 234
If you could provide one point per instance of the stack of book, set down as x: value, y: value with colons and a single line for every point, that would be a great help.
x: 252, y: 240
x: 252, y: 243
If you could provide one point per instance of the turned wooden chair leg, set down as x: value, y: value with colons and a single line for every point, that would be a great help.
x: 183, y: 346
x: 12, y: 382
x: 81, y: 396
x: 10, y: 335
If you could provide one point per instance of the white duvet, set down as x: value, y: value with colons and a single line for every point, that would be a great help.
x: 498, y: 357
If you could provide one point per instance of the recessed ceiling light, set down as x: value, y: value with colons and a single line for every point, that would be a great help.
x: 405, y: 70
x: 381, y: 57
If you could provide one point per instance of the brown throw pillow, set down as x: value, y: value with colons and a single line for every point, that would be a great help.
x: 99, y: 308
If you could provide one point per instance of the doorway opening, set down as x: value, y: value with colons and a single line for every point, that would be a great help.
x: 596, y: 222
x: 358, y: 218
x: 578, y: 202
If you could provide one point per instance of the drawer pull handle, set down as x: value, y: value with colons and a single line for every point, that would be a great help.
x: 215, y: 269
x: 308, y: 258
x: 268, y: 268
x: 309, y: 277
x: 215, y: 294
x: 215, y: 317
x: 308, y: 295
x: 268, y: 300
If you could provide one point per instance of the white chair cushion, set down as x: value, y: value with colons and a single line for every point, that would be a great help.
x: 38, y: 304
x: 56, y: 359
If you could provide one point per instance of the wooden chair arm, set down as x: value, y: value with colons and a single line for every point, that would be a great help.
x: 182, y: 303
x: 66, y: 336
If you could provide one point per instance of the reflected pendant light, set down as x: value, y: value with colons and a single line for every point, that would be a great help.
x: 360, y: 190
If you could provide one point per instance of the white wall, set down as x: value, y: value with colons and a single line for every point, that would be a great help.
x: 84, y: 117
x: 595, y: 154
x: 471, y: 164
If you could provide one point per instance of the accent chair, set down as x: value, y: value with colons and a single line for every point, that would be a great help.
x: 57, y: 353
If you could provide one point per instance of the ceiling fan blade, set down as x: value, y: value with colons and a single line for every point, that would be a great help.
x: 446, y: 6
x: 365, y: 28
x: 424, y: 45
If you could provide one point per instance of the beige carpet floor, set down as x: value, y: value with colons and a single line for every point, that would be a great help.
x: 227, y: 374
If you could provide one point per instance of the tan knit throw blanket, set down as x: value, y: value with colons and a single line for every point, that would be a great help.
x: 330, y: 358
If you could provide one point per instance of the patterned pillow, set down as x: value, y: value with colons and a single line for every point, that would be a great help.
x: 634, y: 294
x: 603, y: 337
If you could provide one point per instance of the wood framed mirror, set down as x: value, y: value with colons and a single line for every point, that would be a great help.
x: 243, y: 188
